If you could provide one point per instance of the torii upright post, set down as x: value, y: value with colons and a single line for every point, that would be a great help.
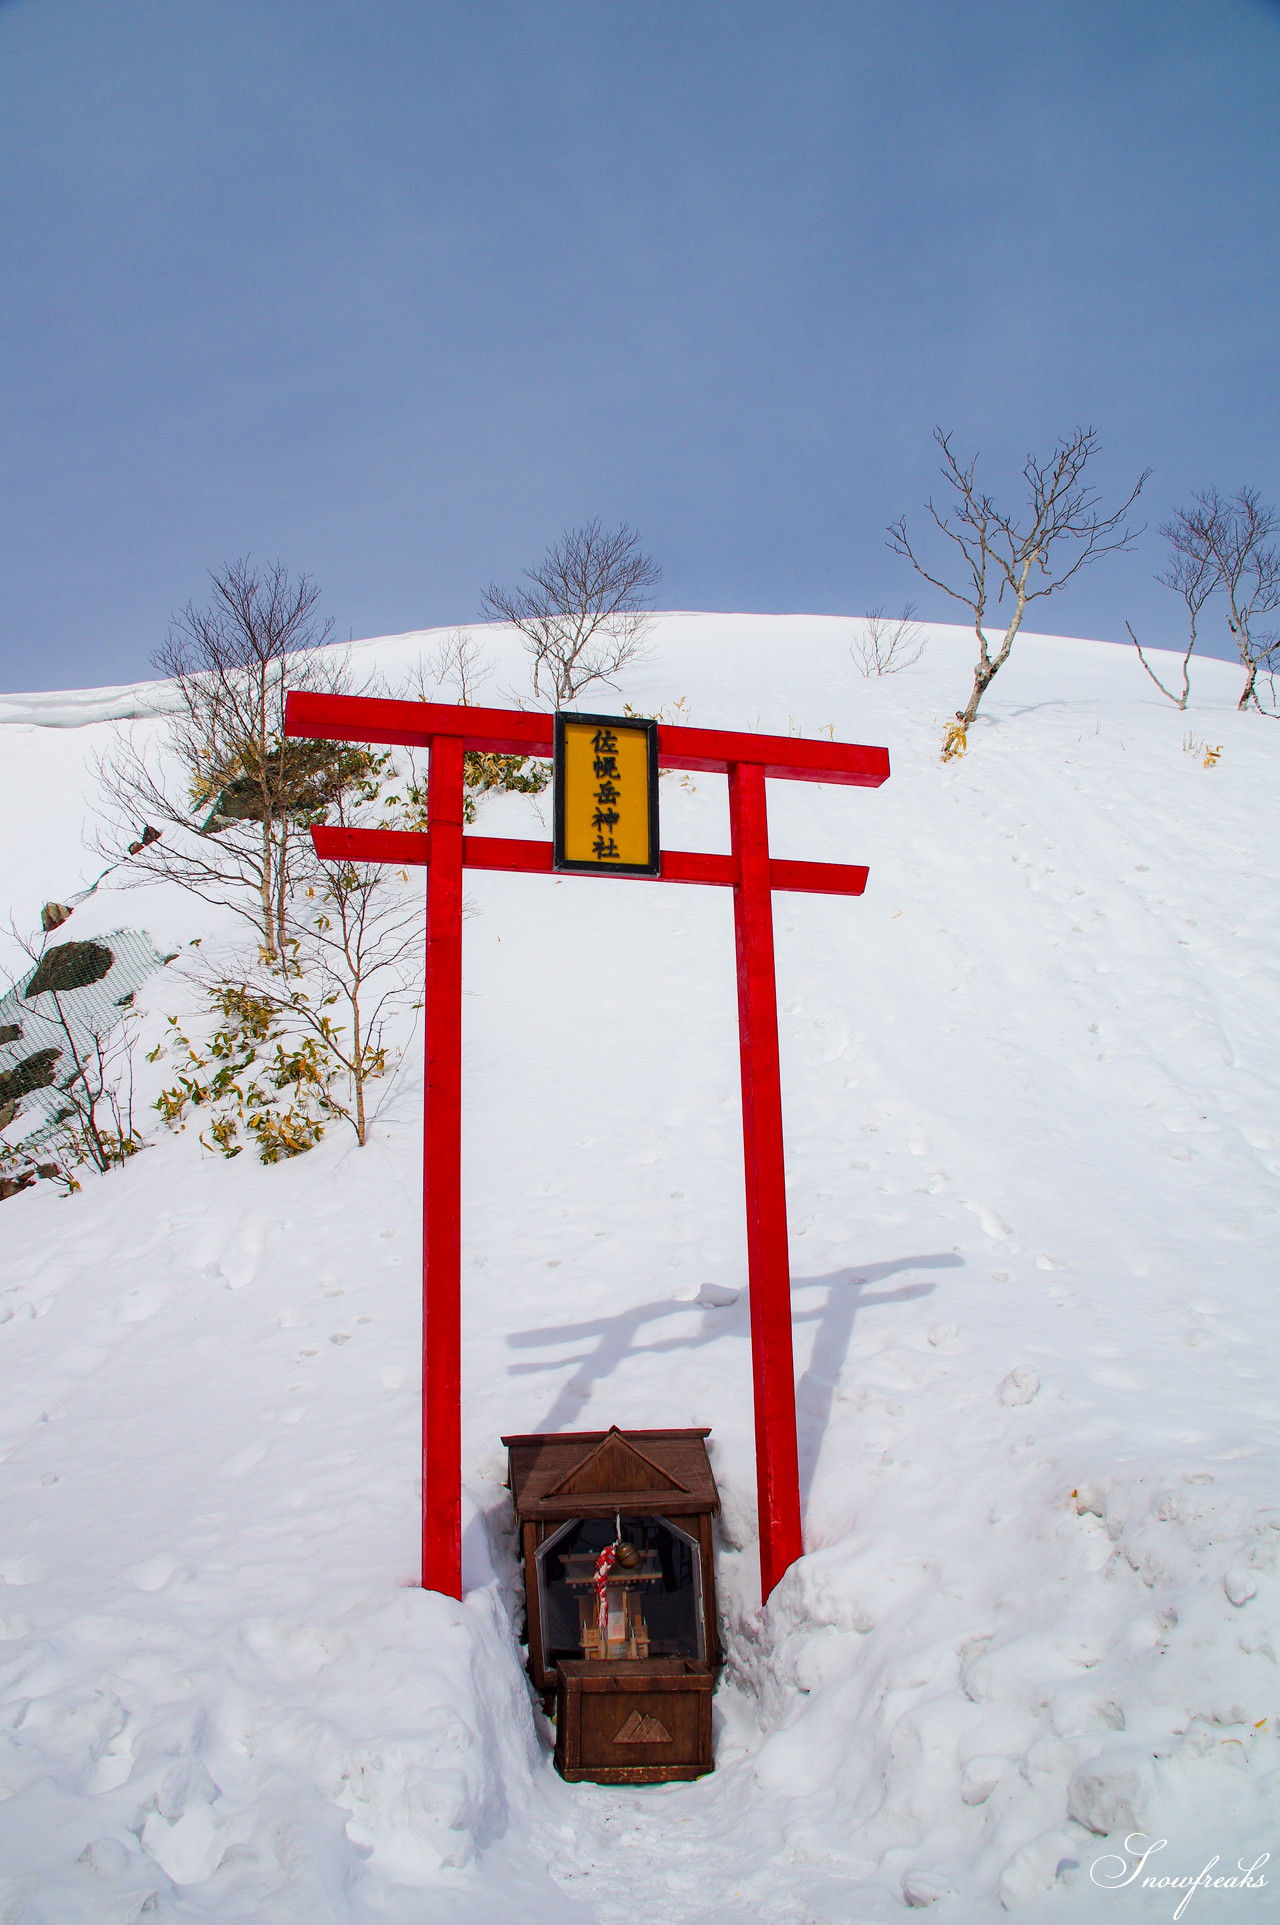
x: 753, y: 874
x: 442, y: 1180
x: 764, y: 1166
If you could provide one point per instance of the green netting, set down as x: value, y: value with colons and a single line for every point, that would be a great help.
x: 77, y: 991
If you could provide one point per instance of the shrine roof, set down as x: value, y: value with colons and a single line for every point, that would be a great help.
x: 589, y: 1473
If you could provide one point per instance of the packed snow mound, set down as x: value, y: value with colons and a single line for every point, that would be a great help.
x: 74, y: 708
x: 1034, y: 1178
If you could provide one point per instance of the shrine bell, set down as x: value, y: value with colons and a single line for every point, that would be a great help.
x: 615, y: 1534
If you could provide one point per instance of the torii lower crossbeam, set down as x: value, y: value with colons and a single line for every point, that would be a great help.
x: 749, y: 870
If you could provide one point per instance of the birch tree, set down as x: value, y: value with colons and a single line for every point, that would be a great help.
x: 230, y: 793
x: 1227, y: 542
x: 1005, y: 560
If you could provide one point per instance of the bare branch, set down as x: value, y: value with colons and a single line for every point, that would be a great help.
x: 1179, y: 701
x: 1192, y: 577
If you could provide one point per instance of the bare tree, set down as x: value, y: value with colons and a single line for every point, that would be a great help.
x: 359, y: 950
x: 1027, y: 556
x: 1227, y: 540
x: 357, y: 939
x: 97, y: 1123
x: 888, y: 643
x: 585, y: 613
x: 455, y: 662
x: 231, y: 790
x: 1192, y: 577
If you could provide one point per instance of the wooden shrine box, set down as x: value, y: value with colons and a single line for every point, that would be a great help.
x: 630, y: 1655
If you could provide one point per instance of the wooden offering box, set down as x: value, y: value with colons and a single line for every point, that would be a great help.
x: 633, y: 1722
x: 615, y: 1532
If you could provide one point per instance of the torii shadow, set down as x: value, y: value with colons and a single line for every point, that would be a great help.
x: 616, y: 1339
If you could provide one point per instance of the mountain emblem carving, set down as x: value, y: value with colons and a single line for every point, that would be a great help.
x: 640, y: 1730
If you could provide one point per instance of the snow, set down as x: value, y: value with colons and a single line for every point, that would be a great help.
x: 1033, y: 1154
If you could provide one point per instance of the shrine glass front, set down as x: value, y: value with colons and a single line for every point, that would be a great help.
x: 664, y: 1586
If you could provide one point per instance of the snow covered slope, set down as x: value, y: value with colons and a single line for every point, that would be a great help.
x: 1034, y: 1150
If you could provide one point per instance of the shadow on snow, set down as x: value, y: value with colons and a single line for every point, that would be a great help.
x: 634, y: 1332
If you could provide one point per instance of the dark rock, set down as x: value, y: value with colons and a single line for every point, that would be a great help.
x: 33, y: 1072
x: 71, y: 965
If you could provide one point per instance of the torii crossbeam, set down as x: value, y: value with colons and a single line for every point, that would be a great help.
x: 749, y: 870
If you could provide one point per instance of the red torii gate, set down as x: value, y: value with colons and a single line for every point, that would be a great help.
x: 749, y: 870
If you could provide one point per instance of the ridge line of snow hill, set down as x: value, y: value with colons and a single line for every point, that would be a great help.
x: 136, y: 701
x: 1034, y: 1181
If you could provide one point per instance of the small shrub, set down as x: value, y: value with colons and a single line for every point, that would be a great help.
x: 955, y: 740
x: 481, y: 774
x: 279, y: 1101
x: 888, y: 643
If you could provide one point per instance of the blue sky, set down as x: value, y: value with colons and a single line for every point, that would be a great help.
x: 396, y: 290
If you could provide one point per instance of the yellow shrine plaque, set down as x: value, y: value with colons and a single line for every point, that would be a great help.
x: 606, y: 798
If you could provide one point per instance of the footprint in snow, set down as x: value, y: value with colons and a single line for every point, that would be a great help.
x: 106, y: 1856
x: 244, y: 1460
x: 22, y: 1570
x: 135, y: 1306
x: 1020, y: 1386
x: 153, y: 1573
